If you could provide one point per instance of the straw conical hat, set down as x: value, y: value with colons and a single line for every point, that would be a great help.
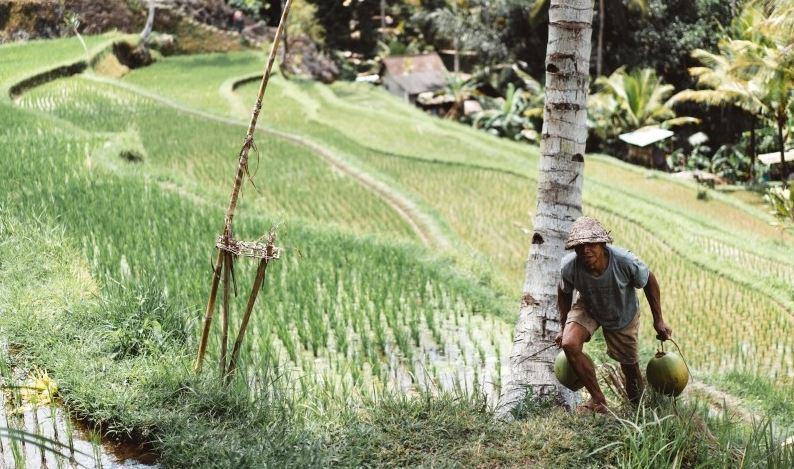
x: 587, y: 230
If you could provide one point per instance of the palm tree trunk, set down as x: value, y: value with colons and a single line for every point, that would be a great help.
x: 752, y: 152
x: 147, y: 29
x: 284, y: 67
x: 781, y: 122
x: 559, y: 204
x: 383, y: 20
x: 600, y: 46
x: 456, y: 58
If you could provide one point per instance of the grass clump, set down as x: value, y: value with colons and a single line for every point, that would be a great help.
x: 122, y: 362
x: 459, y: 431
x: 139, y: 323
x: 452, y: 431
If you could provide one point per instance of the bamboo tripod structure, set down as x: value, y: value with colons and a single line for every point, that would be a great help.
x: 229, y: 248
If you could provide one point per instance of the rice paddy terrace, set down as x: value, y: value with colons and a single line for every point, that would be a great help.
x: 404, y: 239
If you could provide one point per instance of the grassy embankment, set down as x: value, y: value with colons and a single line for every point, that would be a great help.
x: 86, y: 221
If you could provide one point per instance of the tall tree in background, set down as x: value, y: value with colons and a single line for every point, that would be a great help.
x: 559, y: 204
x: 771, y: 66
x: 718, y: 82
x: 754, y: 69
x: 641, y: 5
x: 473, y: 25
x: 147, y: 28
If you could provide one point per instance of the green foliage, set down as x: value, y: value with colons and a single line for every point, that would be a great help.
x: 627, y: 101
x: 252, y: 7
x: 461, y: 90
x: 72, y: 21
x: 350, y: 26
x: 781, y: 201
x: 508, y: 117
x: 660, y: 435
x: 729, y: 162
x: 395, y: 46
x: 140, y: 322
x: 449, y: 430
x: 681, y: 25
x: 516, y: 113
x: 753, y: 69
x: 531, y: 406
x: 303, y: 20
x: 472, y: 26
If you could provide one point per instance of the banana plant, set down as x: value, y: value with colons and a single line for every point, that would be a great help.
x: 781, y: 201
x: 508, y: 118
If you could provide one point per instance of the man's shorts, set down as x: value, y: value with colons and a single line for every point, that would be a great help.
x: 621, y: 344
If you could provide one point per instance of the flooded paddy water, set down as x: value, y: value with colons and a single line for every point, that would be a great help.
x: 37, y: 432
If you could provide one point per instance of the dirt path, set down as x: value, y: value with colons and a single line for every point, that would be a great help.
x: 228, y: 90
x: 720, y: 401
x: 426, y: 229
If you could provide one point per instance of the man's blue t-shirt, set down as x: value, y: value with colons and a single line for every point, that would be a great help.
x: 610, y: 297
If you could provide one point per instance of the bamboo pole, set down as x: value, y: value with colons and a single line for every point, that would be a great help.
x: 216, y: 276
x: 260, y: 276
x: 238, y: 181
x: 249, y: 137
x: 227, y: 267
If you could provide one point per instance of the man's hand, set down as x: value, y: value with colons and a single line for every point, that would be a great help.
x: 558, y: 339
x: 663, y: 331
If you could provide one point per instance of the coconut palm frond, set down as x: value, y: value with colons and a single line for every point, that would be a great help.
x: 709, y: 59
x: 676, y: 121
x: 533, y: 112
x: 707, y: 97
x: 631, y: 100
x: 536, y: 12
x: 699, y: 71
x: 530, y: 84
x: 660, y: 93
x: 640, y: 5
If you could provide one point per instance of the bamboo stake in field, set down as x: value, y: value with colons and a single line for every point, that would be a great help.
x: 227, y: 267
x: 258, y: 281
x: 242, y: 169
x: 216, y: 276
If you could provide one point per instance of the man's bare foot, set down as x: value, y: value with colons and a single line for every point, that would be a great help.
x: 592, y: 407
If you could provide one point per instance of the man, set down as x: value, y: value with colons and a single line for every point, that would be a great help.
x: 606, y: 278
x: 238, y: 21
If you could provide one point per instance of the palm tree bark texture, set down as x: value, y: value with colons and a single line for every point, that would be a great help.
x: 559, y: 189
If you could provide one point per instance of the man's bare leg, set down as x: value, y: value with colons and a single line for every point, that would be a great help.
x: 573, y: 338
x: 634, y: 383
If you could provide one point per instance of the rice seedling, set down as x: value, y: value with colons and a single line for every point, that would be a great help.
x: 191, y: 156
x: 196, y: 79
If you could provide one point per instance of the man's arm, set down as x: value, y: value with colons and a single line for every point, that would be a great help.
x: 651, y: 289
x: 564, y: 301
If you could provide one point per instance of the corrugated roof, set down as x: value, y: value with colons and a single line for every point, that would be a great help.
x: 416, y: 83
x: 416, y: 73
x: 646, y: 136
x: 405, y: 64
x: 774, y: 157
